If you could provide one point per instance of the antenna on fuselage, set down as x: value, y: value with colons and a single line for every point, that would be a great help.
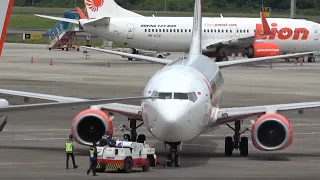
x: 195, y: 48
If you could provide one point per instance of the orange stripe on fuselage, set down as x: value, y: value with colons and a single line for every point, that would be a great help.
x: 6, y: 24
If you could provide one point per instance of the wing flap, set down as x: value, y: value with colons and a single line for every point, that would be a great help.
x: 130, y: 111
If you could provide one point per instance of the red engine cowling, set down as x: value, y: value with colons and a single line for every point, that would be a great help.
x: 271, y: 132
x: 263, y: 50
x: 90, y: 125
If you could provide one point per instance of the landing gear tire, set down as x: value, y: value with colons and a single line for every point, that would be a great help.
x: 169, y: 160
x: 173, y: 157
x: 311, y: 59
x: 176, y: 160
x: 244, y: 146
x: 221, y: 58
x: 236, y: 142
x: 228, y: 146
x: 141, y: 138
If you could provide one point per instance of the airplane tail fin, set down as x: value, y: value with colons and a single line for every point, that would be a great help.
x: 195, y: 48
x: 5, y: 12
x: 106, y: 8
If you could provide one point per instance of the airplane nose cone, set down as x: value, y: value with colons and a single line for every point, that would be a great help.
x: 172, y: 121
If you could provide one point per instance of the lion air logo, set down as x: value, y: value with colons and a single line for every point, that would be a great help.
x: 94, y: 5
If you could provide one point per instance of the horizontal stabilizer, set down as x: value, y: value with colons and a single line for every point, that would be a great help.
x: 73, y: 21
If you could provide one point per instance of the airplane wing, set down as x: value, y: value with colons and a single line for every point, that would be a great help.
x: 225, y: 64
x: 60, y: 101
x: 130, y: 111
x: 134, y: 56
x: 226, y: 115
x: 239, y: 42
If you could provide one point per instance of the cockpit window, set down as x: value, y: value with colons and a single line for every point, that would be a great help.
x: 192, y: 96
x: 165, y: 95
x: 180, y: 96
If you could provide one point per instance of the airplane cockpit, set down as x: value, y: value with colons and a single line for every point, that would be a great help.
x: 175, y: 95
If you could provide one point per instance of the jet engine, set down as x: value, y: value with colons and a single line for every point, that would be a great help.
x: 4, y: 103
x: 263, y: 50
x: 90, y: 125
x: 271, y: 132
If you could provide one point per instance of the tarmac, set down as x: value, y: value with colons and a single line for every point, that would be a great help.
x: 32, y: 143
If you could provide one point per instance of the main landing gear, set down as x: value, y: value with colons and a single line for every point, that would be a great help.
x: 173, y: 157
x: 236, y: 142
x: 133, y: 131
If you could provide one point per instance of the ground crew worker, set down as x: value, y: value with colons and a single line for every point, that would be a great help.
x: 69, y: 152
x: 93, y: 159
x: 109, y: 139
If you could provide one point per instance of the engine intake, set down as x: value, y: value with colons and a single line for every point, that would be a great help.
x: 271, y: 132
x: 90, y: 125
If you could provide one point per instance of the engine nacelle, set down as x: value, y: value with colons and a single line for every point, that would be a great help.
x: 90, y: 125
x: 271, y: 132
x: 4, y: 103
x: 263, y: 50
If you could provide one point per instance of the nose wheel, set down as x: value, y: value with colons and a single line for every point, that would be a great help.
x: 173, y: 158
x: 236, y: 142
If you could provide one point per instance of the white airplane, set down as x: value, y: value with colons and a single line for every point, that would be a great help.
x: 220, y: 36
x: 180, y: 102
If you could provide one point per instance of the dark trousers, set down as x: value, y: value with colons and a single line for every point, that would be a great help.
x: 72, y: 157
x: 93, y: 166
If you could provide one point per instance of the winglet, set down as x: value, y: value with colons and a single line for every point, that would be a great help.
x: 265, y: 25
x: 195, y: 48
x: 81, y: 14
x: 5, y: 12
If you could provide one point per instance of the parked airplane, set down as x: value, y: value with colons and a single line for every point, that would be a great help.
x: 180, y: 102
x: 220, y: 35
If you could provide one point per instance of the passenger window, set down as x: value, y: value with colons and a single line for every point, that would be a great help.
x: 156, y: 30
x: 170, y: 30
x: 180, y: 96
x: 227, y: 31
x: 189, y: 30
x: 181, y: 30
x: 159, y: 30
x: 149, y: 30
x: 186, y: 30
x: 163, y: 95
x: 152, y: 30
x: 145, y: 30
x: 177, y: 30
x: 167, y: 30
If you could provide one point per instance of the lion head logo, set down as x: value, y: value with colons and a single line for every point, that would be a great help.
x: 94, y: 5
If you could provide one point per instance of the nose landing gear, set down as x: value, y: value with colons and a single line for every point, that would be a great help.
x: 236, y: 142
x: 173, y: 157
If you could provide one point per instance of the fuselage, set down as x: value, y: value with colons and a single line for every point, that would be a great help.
x: 174, y: 33
x: 188, y: 98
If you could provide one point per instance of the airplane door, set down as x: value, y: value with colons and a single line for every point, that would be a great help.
x: 130, y: 31
x: 316, y: 32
